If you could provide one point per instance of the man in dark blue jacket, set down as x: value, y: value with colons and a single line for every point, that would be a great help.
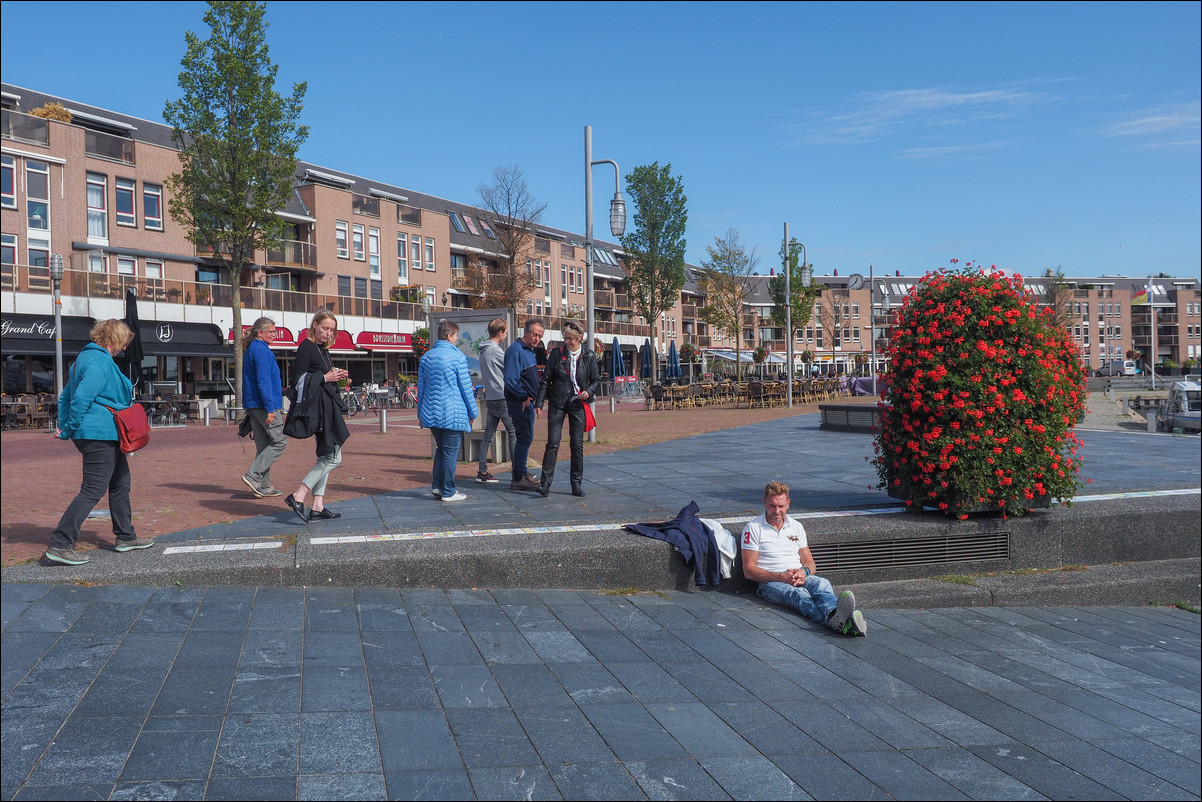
x: 521, y: 388
x: 263, y: 399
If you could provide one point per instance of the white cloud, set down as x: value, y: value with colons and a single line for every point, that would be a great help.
x: 1169, y: 126
x: 871, y: 116
x: 953, y: 150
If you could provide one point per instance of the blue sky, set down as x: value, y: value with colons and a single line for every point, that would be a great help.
x: 1027, y: 135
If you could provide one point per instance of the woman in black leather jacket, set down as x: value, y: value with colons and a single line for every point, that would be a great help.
x: 569, y: 381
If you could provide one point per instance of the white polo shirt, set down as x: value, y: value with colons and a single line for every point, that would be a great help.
x: 778, y: 550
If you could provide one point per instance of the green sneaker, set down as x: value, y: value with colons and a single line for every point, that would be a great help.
x: 856, y: 625
x: 843, y: 611
x: 130, y: 545
x: 65, y: 556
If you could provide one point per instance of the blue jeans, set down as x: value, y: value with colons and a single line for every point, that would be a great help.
x: 815, y: 599
x: 446, y: 457
x: 523, y: 424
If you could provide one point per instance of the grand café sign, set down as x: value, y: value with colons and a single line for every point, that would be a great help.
x: 38, y: 327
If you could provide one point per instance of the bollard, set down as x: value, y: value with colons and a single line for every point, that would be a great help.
x: 383, y: 421
x: 1151, y: 414
x: 1110, y: 391
x: 206, y: 414
x: 1126, y: 408
x: 613, y: 405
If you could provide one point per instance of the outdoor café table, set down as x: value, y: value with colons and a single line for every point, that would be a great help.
x: 677, y: 395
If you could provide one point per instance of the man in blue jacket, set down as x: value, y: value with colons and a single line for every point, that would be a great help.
x: 521, y: 388
x: 446, y: 405
x: 262, y: 398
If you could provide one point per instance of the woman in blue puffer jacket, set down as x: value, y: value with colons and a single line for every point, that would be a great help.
x: 94, y: 385
x: 446, y: 405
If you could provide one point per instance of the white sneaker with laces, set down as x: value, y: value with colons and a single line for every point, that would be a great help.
x: 459, y: 496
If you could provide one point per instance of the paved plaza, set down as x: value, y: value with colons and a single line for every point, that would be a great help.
x: 126, y: 691
x: 132, y: 692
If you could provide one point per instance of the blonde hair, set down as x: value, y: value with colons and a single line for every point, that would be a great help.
x: 322, y: 314
x: 776, y: 489
x: 111, y: 333
x: 252, y: 333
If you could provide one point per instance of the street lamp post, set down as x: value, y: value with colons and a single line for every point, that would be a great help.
x: 56, y: 275
x: 805, y: 283
x: 617, y: 226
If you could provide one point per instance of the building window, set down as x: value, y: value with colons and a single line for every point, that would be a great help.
x: 415, y: 252
x: 402, y: 260
x: 8, y: 189
x: 563, y: 278
x: 152, y: 207
x: 429, y: 254
x: 373, y: 251
x: 127, y: 266
x: 37, y: 195
x: 126, y: 216
x: 154, y: 268
x: 357, y: 242
x: 341, y: 230
x: 98, y: 218
x: 430, y: 295
x: 455, y: 221
x: 344, y: 286
x: 98, y: 263
x: 360, y: 287
x: 9, y: 251
x: 39, y: 253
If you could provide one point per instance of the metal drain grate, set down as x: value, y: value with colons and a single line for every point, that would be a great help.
x: 919, y: 551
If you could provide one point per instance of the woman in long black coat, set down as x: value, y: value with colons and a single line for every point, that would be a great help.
x: 570, y: 380
x: 313, y: 362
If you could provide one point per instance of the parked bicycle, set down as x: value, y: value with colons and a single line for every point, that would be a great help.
x: 409, y: 396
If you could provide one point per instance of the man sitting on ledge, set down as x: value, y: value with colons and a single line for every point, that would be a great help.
x: 776, y: 554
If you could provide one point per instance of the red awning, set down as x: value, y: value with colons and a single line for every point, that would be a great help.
x: 384, y: 341
x: 342, y: 342
x: 283, y: 337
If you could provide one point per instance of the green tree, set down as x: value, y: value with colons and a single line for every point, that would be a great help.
x: 655, y: 247
x: 803, y: 297
x: 237, y: 140
x: 1057, y: 295
x: 726, y: 281
x: 512, y: 212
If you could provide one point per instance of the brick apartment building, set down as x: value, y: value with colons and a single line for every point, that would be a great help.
x: 380, y: 256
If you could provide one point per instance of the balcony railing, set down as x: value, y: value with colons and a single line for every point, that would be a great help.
x: 459, y: 277
x: 688, y: 311
x: 25, y: 128
x: 603, y: 298
x: 293, y: 253
x: 107, y: 146
x: 110, y: 286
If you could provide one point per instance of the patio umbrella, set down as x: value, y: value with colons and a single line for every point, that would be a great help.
x: 133, y: 351
x: 673, y: 362
x: 646, y: 356
x: 617, y: 363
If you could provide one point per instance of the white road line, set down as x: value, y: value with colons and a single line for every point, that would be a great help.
x: 532, y: 530
x: 273, y: 544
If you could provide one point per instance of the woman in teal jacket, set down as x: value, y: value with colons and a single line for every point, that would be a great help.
x: 94, y: 384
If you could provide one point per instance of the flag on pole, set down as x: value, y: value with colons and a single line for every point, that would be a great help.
x: 1142, y: 296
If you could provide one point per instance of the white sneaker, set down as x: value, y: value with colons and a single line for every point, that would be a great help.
x: 843, y: 612
x: 459, y: 496
x: 435, y: 493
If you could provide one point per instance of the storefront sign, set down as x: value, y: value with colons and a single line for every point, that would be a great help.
x: 384, y: 341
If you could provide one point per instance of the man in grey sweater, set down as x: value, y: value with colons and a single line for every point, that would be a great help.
x: 492, y: 373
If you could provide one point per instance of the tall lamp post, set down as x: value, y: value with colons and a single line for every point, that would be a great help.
x: 805, y: 283
x: 617, y: 225
x: 56, y: 275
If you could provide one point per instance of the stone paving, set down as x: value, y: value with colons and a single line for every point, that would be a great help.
x: 328, y: 693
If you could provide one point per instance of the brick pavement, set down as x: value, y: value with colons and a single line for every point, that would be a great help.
x: 191, y: 477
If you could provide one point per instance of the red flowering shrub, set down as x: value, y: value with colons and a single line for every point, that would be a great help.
x: 421, y: 342
x: 984, y: 391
